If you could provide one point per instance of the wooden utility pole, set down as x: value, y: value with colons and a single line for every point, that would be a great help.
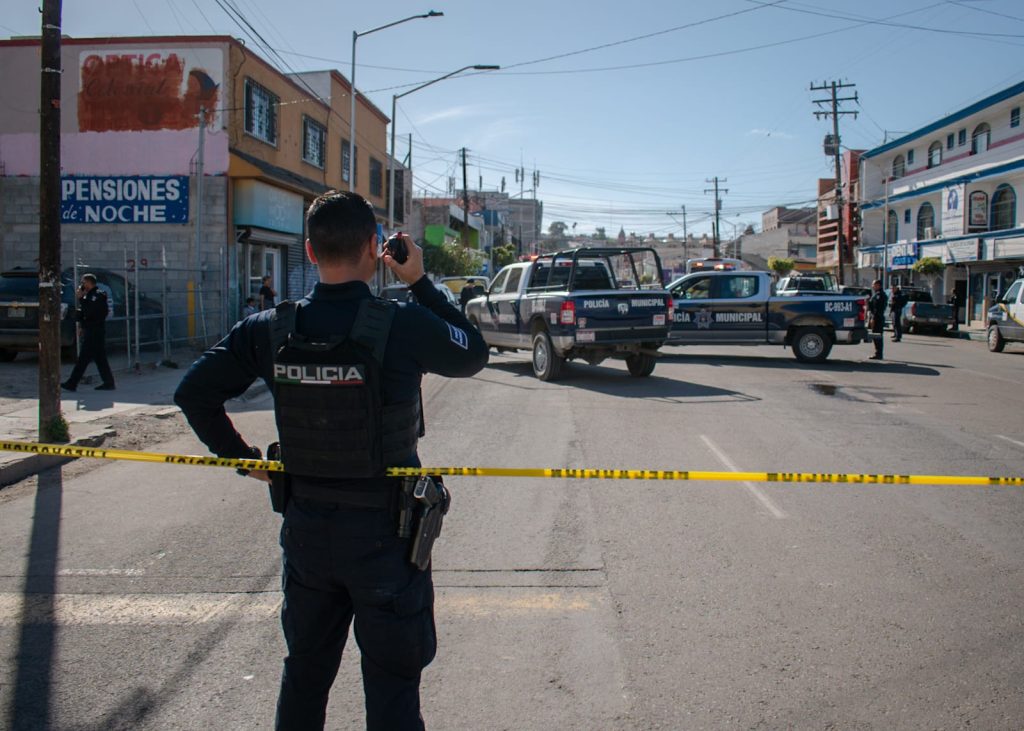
x: 718, y: 209
x: 50, y: 427
x: 841, y: 253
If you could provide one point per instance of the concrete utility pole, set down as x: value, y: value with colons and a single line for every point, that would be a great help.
x: 835, y: 113
x: 49, y: 225
x: 718, y: 210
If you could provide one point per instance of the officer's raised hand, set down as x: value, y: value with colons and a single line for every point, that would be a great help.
x: 411, y: 270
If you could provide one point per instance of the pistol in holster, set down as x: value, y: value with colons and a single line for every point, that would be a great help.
x: 423, y: 504
x: 280, y: 482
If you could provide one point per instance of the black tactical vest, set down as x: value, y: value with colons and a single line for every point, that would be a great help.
x: 327, y: 399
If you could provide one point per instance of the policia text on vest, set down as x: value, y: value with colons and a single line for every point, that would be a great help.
x: 345, y: 370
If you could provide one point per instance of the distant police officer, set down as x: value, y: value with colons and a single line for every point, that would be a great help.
x: 899, y: 300
x: 345, y: 371
x: 876, y: 317
x: 92, y: 317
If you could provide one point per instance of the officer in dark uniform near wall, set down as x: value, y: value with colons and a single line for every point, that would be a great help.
x: 876, y: 317
x: 343, y: 559
x: 92, y: 317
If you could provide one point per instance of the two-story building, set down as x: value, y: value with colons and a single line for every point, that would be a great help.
x: 949, y: 190
x: 187, y: 164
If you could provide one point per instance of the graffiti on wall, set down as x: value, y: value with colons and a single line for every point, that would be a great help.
x: 150, y: 89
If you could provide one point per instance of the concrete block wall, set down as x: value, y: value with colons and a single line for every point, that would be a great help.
x: 104, y: 246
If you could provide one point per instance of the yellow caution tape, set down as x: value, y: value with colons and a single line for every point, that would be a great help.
x: 58, y: 450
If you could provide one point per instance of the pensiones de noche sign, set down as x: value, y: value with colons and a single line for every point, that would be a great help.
x: 124, y: 199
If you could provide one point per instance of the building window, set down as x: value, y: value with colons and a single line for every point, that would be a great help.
x: 910, y: 158
x: 1004, y: 208
x: 935, y: 155
x: 314, y: 138
x: 899, y: 167
x: 260, y: 112
x: 1015, y: 117
x: 950, y: 141
x: 925, y: 222
x: 906, y: 216
x: 892, y: 228
x: 961, y: 137
x: 376, y: 177
x: 346, y: 157
x: 980, y: 138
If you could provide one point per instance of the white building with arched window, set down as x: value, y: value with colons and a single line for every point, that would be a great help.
x: 953, y: 189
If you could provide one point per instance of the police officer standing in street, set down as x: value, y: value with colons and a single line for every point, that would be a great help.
x: 899, y: 300
x: 876, y: 317
x: 92, y: 317
x: 345, y: 370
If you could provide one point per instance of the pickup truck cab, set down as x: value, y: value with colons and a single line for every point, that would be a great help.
x: 737, y: 308
x: 588, y: 304
x: 1006, y: 318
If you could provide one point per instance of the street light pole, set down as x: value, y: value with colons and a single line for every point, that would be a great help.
x: 352, y: 81
x: 394, y: 111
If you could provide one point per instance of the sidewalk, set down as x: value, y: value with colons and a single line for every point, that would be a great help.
x: 147, y: 391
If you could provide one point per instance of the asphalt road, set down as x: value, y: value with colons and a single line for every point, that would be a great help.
x: 145, y: 596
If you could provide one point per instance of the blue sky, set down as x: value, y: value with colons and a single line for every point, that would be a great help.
x: 628, y: 131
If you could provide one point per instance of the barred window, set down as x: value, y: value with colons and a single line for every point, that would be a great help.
x: 376, y: 177
x: 314, y: 138
x: 260, y: 112
x: 346, y: 160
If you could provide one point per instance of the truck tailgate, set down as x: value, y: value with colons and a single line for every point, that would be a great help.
x: 614, y: 316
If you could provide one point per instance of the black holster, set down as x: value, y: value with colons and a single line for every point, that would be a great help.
x: 280, y: 482
x: 423, y: 504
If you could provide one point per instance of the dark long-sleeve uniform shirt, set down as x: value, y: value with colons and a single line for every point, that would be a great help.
x: 92, y: 308
x: 429, y: 337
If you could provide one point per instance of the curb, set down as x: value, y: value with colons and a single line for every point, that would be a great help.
x: 18, y: 469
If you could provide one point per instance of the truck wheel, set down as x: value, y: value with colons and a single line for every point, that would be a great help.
x: 996, y: 342
x: 812, y: 345
x: 547, y: 364
x: 640, y: 365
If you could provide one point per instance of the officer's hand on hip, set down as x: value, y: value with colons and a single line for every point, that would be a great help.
x: 412, y: 270
x: 261, y: 475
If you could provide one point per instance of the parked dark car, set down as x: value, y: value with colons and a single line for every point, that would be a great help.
x: 19, y: 312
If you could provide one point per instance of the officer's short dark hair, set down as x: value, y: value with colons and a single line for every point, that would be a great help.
x: 90, y: 277
x: 339, y: 224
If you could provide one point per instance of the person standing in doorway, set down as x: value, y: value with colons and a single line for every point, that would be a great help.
x: 876, y: 317
x: 954, y: 303
x: 92, y: 318
x: 267, y: 295
x: 899, y: 299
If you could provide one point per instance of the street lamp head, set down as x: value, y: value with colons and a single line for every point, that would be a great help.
x: 486, y: 67
x: 434, y: 14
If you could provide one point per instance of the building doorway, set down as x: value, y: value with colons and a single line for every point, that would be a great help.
x: 261, y: 260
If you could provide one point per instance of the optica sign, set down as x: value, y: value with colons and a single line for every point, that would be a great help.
x: 124, y: 199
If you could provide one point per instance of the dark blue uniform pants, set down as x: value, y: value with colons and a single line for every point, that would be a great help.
x: 93, y: 348
x: 344, y: 563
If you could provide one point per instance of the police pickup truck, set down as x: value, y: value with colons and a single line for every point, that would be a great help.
x: 737, y: 308
x: 588, y: 304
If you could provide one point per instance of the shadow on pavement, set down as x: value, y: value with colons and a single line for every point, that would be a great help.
x: 830, y: 366
x: 616, y: 381
x: 37, y: 639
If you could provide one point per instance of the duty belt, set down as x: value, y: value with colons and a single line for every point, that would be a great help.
x: 382, y: 497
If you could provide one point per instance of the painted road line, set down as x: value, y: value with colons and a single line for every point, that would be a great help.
x: 195, y: 609
x: 1011, y: 441
x: 754, y: 489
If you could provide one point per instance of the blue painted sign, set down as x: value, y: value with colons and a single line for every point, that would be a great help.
x: 124, y: 199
